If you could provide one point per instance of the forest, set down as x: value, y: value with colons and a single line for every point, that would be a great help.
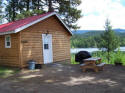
x: 91, y: 39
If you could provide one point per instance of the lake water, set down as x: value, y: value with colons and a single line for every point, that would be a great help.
x: 76, y: 50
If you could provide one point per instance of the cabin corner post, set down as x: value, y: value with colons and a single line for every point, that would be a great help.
x: 69, y: 49
x: 20, y: 50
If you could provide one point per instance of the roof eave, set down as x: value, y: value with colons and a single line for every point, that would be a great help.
x: 34, y: 22
x: 64, y: 24
x: 5, y: 33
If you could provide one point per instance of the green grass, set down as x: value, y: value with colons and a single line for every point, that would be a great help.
x: 73, y: 59
x: 103, y: 56
x: 7, y: 71
x: 113, y: 56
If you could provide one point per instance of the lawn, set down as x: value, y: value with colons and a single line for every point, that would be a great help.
x: 7, y: 71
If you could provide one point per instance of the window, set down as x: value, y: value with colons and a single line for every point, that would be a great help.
x: 46, y: 46
x: 7, y: 41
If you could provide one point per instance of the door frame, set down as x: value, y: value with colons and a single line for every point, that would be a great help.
x: 43, y: 36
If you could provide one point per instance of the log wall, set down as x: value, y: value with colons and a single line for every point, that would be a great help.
x: 10, y: 56
x: 31, y: 39
x: 27, y: 44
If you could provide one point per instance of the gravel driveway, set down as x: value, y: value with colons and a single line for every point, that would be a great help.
x: 65, y: 78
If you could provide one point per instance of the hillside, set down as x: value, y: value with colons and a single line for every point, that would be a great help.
x: 97, y: 31
x: 90, y: 38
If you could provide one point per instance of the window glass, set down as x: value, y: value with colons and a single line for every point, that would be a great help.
x: 7, y: 41
x: 46, y: 46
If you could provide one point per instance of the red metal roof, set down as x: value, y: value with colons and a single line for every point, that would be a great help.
x: 11, y: 26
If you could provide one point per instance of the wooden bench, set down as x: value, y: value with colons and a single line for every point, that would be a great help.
x: 101, y: 66
x: 95, y: 67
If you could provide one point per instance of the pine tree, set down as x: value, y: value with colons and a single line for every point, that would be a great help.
x: 11, y: 9
x: 109, y: 40
x: 67, y: 9
x: 1, y: 12
x: 37, y: 4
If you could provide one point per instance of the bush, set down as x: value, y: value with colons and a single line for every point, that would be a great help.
x: 73, y: 59
x: 114, y: 56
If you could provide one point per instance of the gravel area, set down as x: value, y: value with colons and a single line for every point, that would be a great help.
x: 65, y: 78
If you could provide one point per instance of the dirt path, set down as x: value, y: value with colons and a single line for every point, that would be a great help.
x: 62, y: 78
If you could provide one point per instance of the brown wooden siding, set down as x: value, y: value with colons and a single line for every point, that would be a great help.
x: 10, y: 56
x: 31, y: 39
x: 27, y: 44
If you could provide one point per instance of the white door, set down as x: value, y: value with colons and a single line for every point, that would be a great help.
x: 47, y: 48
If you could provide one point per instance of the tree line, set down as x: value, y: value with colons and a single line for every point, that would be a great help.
x: 94, y: 39
x: 19, y: 9
x: 90, y: 41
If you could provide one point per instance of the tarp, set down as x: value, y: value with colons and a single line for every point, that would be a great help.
x: 80, y: 56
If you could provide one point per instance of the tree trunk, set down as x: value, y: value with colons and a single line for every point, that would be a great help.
x: 27, y: 5
x: 108, y: 51
x: 50, y: 8
x: 38, y: 4
x: 108, y: 56
x: 14, y: 14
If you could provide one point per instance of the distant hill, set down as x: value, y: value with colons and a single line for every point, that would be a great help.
x: 119, y: 30
x: 90, y: 38
x: 91, y: 33
x: 97, y: 31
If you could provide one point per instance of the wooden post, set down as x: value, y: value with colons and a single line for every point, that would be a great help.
x: 20, y: 50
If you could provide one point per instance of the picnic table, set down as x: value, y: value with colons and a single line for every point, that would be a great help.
x: 92, y: 63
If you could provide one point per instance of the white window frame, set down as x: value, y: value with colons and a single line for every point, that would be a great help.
x: 7, y: 41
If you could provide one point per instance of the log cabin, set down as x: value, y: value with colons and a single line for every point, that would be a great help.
x: 44, y: 38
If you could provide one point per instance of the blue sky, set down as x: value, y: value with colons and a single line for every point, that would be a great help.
x: 95, y: 12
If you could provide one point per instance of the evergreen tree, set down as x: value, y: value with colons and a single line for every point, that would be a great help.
x: 1, y: 12
x: 109, y: 40
x: 11, y: 10
x: 67, y: 9
x: 17, y: 9
x: 37, y: 4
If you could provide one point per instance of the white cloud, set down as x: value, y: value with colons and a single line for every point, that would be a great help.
x: 95, y: 13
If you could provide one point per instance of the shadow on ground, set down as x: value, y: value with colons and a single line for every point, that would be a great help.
x: 65, y: 78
